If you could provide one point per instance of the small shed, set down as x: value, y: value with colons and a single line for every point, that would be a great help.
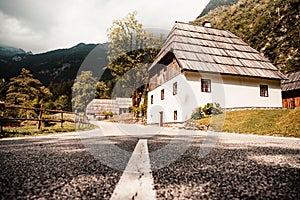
x: 117, y: 106
x: 291, y: 90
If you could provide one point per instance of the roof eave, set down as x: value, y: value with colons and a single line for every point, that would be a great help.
x: 211, y: 72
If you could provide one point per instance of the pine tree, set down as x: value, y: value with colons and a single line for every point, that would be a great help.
x: 27, y: 91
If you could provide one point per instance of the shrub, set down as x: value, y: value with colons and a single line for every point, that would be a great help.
x: 110, y: 114
x: 107, y: 114
x: 208, y: 109
x: 212, y: 109
x: 197, y: 113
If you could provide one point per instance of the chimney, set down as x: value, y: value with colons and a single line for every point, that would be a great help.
x: 206, y: 24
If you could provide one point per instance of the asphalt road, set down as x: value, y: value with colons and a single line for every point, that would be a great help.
x: 184, y: 164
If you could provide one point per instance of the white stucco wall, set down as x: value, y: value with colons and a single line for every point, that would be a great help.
x: 229, y: 91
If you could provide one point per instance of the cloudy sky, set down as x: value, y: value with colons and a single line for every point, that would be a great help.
x: 42, y: 25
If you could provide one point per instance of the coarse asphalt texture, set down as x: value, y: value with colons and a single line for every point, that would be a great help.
x: 235, y: 166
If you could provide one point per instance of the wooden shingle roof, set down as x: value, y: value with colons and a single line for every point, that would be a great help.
x: 292, y: 83
x: 204, y: 49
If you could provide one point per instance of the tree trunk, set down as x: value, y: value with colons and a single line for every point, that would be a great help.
x: 133, y: 98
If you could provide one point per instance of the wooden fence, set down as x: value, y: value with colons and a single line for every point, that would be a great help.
x: 43, y: 116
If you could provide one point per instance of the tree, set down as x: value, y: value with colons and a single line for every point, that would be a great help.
x: 63, y: 88
x: 3, y: 89
x: 131, y: 47
x: 27, y: 91
x: 83, y: 90
x: 62, y: 103
x: 102, y: 90
x: 127, y: 35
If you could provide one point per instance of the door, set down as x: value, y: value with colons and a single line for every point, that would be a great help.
x: 161, y: 118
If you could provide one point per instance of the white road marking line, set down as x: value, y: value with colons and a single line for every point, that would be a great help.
x: 136, y: 182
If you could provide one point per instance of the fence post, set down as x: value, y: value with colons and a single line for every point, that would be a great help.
x: 2, y: 110
x: 40, y: 118
x: 1, y: 129
x: 61, y: 119
x: 75, y: 119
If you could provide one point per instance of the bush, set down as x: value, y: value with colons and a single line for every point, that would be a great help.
x: 108, y: 114
x: 197, y: 113
x: 211, y: 109
x: 208, y: 109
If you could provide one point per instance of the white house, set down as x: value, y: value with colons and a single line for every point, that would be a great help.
x: 198, y: 65
x: 117, y: 106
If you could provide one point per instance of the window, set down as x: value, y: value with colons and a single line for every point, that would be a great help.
x: 264, y: 91
x: 175, y: 115
x: 175, y: 88
x: 205, y: 85
x: 162, y: 94
x: 151, y: 99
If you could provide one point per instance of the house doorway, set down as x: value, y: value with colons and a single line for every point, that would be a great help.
x: 161, y: 118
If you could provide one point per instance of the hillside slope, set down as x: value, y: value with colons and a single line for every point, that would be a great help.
x: 213, y: 4
x: 271, y: 27
x: 262, y: 122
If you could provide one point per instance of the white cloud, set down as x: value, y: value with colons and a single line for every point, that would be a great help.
x: 50, y: 24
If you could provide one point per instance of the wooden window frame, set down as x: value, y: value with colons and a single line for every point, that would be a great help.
x: 175, y: 88
x: 175, y: 115
x: 264, y: 90
x: 206, y: 85
x: 162, y: 94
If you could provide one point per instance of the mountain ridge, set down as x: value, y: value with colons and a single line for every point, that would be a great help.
x: 11, y: 51
x: 52, y: 66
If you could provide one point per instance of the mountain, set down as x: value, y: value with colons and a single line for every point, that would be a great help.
x: 213, y: 4
x: 157, y: 32
x: 54, y: 66
x: 11, y: 51
x: 271, y: 27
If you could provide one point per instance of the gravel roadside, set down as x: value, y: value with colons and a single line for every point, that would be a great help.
x: 237, y: 167
x: 55, y: 167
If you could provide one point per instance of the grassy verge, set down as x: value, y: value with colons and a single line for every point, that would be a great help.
x: 31, y: 130
x: 263, y: 122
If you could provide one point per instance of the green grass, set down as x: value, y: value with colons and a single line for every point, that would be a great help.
x: 262, y: 122
x: 31, y: 129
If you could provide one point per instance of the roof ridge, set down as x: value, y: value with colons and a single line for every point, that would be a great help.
x: 197, y: 25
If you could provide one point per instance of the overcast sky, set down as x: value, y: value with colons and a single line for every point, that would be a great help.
x: 43, y: 25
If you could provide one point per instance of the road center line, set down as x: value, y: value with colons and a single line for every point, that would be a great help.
x: 136, y: 181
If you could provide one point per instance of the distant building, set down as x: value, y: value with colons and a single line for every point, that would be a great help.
x: 198, y: 65
x: 117, y: 106
x: 291, y: 90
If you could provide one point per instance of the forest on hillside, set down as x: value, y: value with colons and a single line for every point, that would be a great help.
x: 271, y: 27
